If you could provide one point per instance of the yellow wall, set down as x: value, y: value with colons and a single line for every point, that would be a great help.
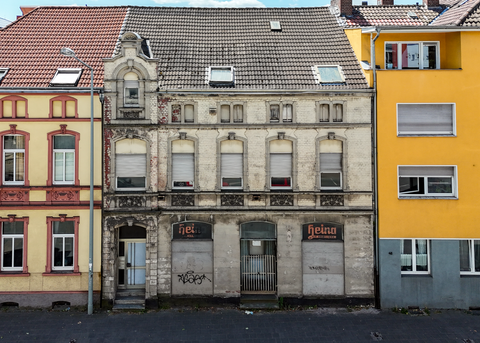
x: 38, y: 125
x: 431, y: 218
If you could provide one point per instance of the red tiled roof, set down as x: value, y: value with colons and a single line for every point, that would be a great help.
x: 391, y: 15
x: 473, y: 19
x: 30, y: 46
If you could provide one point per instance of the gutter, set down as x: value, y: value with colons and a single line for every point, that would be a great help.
x: 49, y: 90
x: 375, y: 164
x: 233, y: 91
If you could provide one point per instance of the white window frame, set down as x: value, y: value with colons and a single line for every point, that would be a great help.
x: 12, y: 236
x: 15, y: 152
x: 414, y: 257
x: 429, y: 133
x: 426, y: 194
x: 63, y: 151
x: 214, y: 82
x: 125, y: 83
x: 72, y: 71
x: 318, y: 78
x: 3, y: 73
x: 63, y: 236
x: 471, y: 255
x: 420, y: 48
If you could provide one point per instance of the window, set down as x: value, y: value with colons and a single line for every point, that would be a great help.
x: 66, y: 77
x: 183, y: 164
x: 328, y: 74
x: 13, y: 243
x: 62, y: 244
x: 281, y: 164
x: 430, y: 181
x: 13, y: 106
x: 281, y: 112
x: 231, y: 113
x: 182, y: 113
x: 231, y: 164
x: 3, y: 72
x: 412, y: 55
x: 131, y: 90
x: 425, y: 119
x: 415, y: 256
x: 275, y: 26
x: 64, y: 159
x: 221, y: 76
x: 63, y: 107
x: 330, y: 112
x: 331, y: 155
x: 469, y: 256
x: 131, y: 164
x: 13, y: 160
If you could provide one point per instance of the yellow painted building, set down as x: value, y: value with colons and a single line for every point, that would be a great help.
x: 428, y: 160
x: 45, y: 111
x: 44, y: 198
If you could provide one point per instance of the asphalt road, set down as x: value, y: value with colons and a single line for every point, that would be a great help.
x: 232, y: 325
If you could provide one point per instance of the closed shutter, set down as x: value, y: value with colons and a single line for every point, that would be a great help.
x: 232, y: 165
x: 425, y: 118
x: 183, y: 167
x: 131, y: 165
x: 426, y: 171
x: 330, y: 162
x: 280, y: 165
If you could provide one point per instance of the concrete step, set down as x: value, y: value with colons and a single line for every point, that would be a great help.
x: 128, y: 307
x: 259, y: 302
x: 130, y: 300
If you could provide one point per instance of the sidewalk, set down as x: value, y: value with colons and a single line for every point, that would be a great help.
x: 231, y: 325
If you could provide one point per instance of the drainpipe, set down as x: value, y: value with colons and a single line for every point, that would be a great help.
x: 375, y: 166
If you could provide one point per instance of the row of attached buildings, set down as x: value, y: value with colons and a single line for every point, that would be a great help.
x: 319, y: 155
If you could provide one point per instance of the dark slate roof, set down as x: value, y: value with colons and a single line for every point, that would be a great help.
x: 392, y: 15
x: 473, y: 19
x: 458, y: 13
x: 30, y: 46
x: 188, y: 40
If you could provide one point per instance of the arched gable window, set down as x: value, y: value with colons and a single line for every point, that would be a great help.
x: 13, y: 106
x: 63, y: 106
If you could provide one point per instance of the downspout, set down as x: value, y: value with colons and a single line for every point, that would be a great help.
x: 375, y: 167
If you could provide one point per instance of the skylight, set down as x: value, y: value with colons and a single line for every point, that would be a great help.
x: 329, y: 74
x: 275, y: 26
x: 220, y: 76
x: 66, y: 77
x: 3, y: 72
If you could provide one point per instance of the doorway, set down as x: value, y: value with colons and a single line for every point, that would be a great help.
x: 258, y: 258
x: 131, y: 257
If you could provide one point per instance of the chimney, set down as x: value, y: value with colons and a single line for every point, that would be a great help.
x: 431, y: 3
x: 385, y: 2
x: 344, y: 6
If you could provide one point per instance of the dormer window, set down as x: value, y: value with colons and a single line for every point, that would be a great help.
x: 3, y: 72
x: 131, y: 87
x: 221, y: 76
x: 66, y: 77
x: 328, y: 74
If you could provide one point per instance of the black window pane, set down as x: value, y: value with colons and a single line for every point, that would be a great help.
x: 130, y: 182
x: 64, y: 142
x: 65, y: 228
x: 12, y: 228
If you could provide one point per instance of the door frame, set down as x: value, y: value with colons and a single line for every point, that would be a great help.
x: 122, y: 264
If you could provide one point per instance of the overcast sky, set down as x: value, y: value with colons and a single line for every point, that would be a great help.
x: 10, y: 9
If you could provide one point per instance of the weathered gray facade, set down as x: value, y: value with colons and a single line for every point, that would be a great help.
x: 229, y: 196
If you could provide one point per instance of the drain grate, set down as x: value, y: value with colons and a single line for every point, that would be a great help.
x: 377, y: 336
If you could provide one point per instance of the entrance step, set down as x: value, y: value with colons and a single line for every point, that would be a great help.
x: 129, y: 299
x: 259, y: 302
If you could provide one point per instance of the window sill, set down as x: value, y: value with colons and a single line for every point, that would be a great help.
x: 470, y: 275
x: 416, y: 275
x: 62, y: 273
x: 14, y: 274
x: 428, y: 197
x: 426, y: 135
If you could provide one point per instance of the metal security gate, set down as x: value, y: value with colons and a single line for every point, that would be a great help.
x: 259, y: 273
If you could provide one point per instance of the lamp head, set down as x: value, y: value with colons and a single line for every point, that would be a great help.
x: 67, y: 52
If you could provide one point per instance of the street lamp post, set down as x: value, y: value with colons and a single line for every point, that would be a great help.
x: 70, y: 53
